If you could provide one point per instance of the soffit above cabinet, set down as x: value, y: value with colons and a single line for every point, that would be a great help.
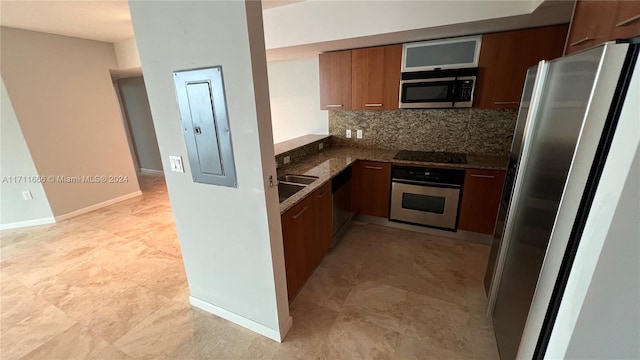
x: 349, y: 28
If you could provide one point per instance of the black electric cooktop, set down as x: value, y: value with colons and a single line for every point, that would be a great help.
x: 431, y: 156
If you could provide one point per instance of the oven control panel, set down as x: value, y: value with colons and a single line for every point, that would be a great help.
x: 431, y: 175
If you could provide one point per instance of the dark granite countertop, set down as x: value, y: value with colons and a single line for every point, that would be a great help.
x: 332, y: 161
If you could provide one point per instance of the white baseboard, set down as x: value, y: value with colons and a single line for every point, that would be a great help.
x: 242, y: 321
x: 151, y: 171
x: 458, y: 235
x: 34, y: 222
x: 287, y: 326
x: 98, y: 206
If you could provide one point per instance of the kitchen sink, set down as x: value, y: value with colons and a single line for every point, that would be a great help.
x: 299, y: 179
x: 287, y: 190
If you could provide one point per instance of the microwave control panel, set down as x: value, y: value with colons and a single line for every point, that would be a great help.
x: 464, y: 90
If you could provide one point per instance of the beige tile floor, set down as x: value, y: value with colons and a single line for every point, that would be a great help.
x: 111, y: 285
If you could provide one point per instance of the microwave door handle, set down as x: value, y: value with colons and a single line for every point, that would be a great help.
x: 452, y: 95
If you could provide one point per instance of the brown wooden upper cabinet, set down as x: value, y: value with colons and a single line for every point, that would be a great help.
x: 375, y: 77
x: 335, y: 80
x: 595, y: 22
x: 626, y: 21
x: 505, y: 58
x: 591, y: 24
x: 361, y: 79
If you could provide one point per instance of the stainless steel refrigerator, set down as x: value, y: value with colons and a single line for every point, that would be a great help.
x: 569, y: 111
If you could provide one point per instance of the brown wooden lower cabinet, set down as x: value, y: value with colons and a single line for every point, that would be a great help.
x: 297, y: 232
x: 480, y: 200
x: 323, y: 222
x: 307, y: 227
x: 371, y: 185
x: 306, y: 232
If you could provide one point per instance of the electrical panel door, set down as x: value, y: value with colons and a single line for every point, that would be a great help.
x: 205, y: 125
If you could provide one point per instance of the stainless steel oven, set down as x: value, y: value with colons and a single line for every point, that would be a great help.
x: 426, y: 196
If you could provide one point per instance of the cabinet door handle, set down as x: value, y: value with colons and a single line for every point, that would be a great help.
x: 323, y: 194
x: 334, y: 105
x: 506, y: 102
x: 628, y: 21
x: 300, y: 213
x: 580, y: 41
x: 372, y: 105
x: 483, y: 176
x: 373, y: 167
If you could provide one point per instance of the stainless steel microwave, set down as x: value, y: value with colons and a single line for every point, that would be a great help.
x: 438, y: 89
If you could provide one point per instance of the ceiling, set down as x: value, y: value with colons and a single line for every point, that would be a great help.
x: 108, y: 21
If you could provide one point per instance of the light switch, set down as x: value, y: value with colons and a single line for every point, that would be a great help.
x: 176, y: 163
x: 348, y: 134
x: 287, y: 159
x: 27, y: 195
x: 320, y: 146
x: 359, y: 134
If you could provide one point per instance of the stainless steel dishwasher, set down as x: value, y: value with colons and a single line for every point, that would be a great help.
x: 341, y: 198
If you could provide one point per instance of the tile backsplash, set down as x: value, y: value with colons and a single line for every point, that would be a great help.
x: 299, y: 148
x: 472, y: 131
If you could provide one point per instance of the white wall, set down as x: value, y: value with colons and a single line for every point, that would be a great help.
x: 136, y: 107
x: 16, y: 161
x: 294, y: 89
x: 127, y: 54
x: 230, y: 238
x: 599, y: 317
x: 65, y: 102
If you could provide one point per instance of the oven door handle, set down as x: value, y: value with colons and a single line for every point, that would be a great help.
x: 425, y: 183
